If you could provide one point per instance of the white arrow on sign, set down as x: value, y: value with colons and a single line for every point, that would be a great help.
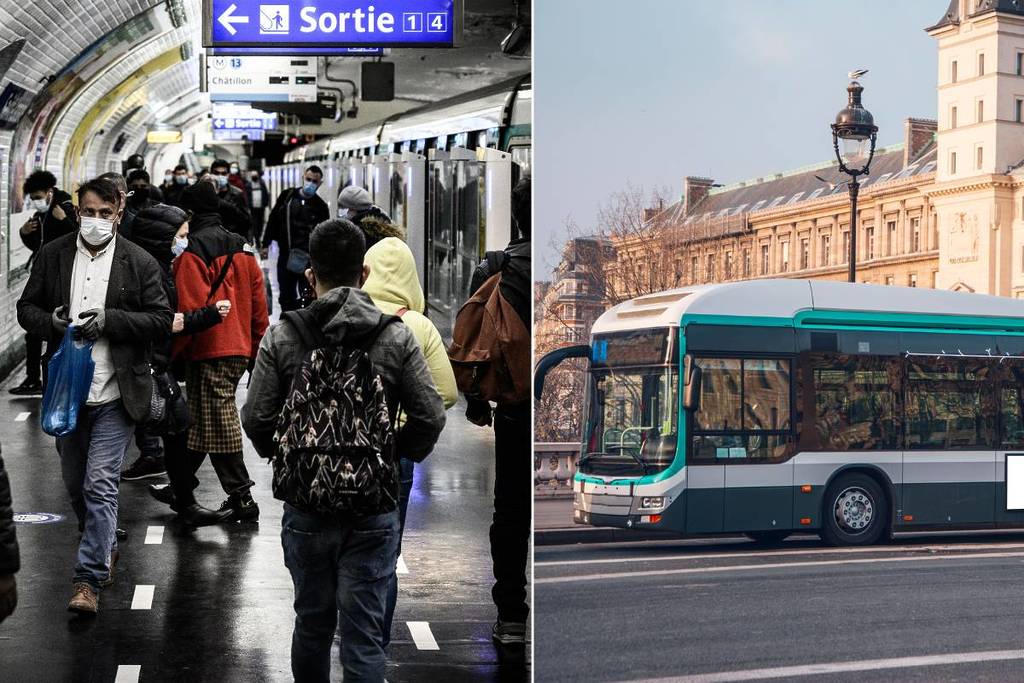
x: 228, y: 21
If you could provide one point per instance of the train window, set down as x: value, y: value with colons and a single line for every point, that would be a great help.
x: 522, y: 157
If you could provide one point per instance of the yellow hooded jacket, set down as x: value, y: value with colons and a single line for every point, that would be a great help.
x: 394, y: 284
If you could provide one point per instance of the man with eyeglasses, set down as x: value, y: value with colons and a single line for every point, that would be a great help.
x: 234, y: 210
x: 296, y: 212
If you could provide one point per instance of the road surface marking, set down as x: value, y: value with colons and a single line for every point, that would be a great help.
x: 784, y: 553
x: 843, y: 667
x: 402, y: 568
x: 774, y: 565
x: 422, y: 636
x: 22, y: 417
x: 128, y: 673
x: 154, y: 535
x: 143, y: 598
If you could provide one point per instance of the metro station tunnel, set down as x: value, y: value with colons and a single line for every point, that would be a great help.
x: 264, y: 121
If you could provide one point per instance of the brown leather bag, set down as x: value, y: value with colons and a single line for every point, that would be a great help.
x: 490, y: 349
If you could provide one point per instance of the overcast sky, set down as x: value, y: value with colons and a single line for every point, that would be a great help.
x: 647, y: 92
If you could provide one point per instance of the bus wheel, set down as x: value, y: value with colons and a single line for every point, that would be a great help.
x: 854, y: 511
x: 768, y: 537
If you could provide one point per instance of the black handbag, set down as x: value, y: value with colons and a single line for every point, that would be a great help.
x: 168, y: 410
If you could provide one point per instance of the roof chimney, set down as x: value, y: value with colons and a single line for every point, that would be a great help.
x: 695, y: 189
x: 917, y: 134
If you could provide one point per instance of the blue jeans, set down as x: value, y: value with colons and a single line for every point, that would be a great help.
x: 339, y: 570
x: 90, y: 462
x: 405, y: 476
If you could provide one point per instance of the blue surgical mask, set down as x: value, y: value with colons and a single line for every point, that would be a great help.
x: 309, y: 189
x: 222, y: 181
x: 181, y: 179
x: 179, y: 246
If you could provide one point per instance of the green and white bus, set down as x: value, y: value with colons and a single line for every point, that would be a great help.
x: 775, y: 406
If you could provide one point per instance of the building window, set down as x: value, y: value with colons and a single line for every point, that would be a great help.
x: 805, y: 254
x: 915, y: 234
x: 891, y: 225
x: 1020, y: 63
x: 765, y: 262
x: 952, y: 117
x: 569, y: 312
x: 694, y: 265
x: 952, y: 163
x: 826, y: 250
x: 981, y: 64
x: 912, y: 280
x: 869, y: 234
x: 710, y: 275
x: 784, y: 266
x: 746, y: 263
x: 1018, y: 109
x: 935, y: 279
x: 679, y: 269
x: 890, y: 280
x: 728, y: 265
x: 845, y: 256
x: 952, y: 71
x: 981, y: 111
x: 980, y: 157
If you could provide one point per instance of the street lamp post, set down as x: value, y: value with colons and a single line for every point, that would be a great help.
x: 856, y: 128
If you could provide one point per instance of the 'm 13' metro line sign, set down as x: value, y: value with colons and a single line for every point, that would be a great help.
x: 332, y: 23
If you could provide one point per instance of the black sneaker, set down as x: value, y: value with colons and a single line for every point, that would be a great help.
x: 144, y: 468
x: 509, y: 632
x: 30, y: 387
x: 243, y: 507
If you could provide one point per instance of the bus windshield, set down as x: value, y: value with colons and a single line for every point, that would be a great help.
x: 632, y: 413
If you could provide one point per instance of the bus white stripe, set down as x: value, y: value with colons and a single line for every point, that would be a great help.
x: 774, y: 565
x: 842, y: 667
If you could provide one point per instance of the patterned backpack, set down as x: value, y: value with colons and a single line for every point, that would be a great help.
x: 335, y: 441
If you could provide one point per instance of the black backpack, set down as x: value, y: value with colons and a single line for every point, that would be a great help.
x: 335, y: 439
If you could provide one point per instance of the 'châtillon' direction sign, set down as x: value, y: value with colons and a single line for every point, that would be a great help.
x: 332, y: 23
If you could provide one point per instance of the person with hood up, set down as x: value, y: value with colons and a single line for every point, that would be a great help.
x: 162, y: 231
x: 354, y: 204
x: 394, y: 286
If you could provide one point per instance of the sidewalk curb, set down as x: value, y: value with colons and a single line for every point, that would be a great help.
x: 585, y: 534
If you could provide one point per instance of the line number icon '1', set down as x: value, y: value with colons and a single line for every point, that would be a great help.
x: 228, y: 19
x: 274, y: 18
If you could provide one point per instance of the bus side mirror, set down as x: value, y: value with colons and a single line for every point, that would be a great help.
x: 549, y: 360
x: 691, y: 390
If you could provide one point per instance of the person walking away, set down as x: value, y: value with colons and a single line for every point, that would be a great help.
x: 234, y: 212
x: 296, y: 212
x: 162, y: 231
x: 172, y: 195
x: 9, y: 557
x: 513, y: 475
x: 54, y: 217
x: 258, y: 196
x: 110, y: 290
x: 354, y: 203
x: 341, y: 564
x: 218, y: 265
x: 394, y: 287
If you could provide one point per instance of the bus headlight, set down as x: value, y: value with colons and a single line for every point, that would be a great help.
x: 652, y: 502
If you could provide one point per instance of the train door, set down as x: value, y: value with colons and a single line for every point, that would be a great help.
x: 455, y: 231
x: 380, y: 179
x: 409, y: 204
x: 498, y: 197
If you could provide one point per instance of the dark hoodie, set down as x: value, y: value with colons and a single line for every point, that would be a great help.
x: 50, y: 227
x: 396, y: 356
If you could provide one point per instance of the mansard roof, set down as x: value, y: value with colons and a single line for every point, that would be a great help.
x: 952, y: 15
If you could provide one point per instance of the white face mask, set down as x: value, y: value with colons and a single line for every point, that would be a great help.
x: 40, y: 205
x: 96, y: 231
x: 168, y: 177
x: 179, y: 246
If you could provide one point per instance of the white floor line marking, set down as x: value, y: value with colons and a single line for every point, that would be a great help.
x: 143, y: 598
x: 128, y: 673
x: 422, y: 636
x: 154, y: 535
x: 402, y: 568
x: 843, y: 667
x: 773, y: 565
x: 22, y: 417
x: 784, y: 553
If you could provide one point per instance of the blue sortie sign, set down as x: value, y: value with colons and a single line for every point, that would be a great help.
x: 332, y: 23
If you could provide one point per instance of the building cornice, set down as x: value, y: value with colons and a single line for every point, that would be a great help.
x: 984, y: 182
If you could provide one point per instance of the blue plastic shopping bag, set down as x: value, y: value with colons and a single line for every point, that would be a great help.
x: 67, y: 385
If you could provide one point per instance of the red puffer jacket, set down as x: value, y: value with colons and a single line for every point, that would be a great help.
x: 195, y: 272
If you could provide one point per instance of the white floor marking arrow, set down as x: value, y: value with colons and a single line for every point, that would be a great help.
x: 228, y: 21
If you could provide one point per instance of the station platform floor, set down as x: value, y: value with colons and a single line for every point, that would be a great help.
x: 215, y: 604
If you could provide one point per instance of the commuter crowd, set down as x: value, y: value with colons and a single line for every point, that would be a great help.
x: 165, y: 284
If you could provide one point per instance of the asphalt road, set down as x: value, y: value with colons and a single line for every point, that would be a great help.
x: 922, y: 608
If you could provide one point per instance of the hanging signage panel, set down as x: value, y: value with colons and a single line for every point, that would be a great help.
x: 261, y: 79
x: 297, y: 51
x: 236, y: 116
x: 220, y: 135
x: 163, y: 137
x: 332, y: 23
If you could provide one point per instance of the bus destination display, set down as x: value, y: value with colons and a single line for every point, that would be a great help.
x: 647, y: 347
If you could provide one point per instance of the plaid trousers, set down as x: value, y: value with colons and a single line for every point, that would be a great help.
x: 210, y: 387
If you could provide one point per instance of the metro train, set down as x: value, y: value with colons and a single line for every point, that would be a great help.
x: 443, y: 172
